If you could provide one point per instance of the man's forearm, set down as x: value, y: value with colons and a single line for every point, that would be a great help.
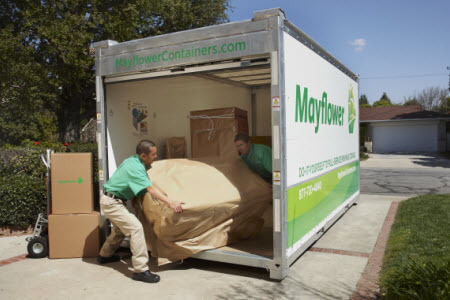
x: 155, y: 192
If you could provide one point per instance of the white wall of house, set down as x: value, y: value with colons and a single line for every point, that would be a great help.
x: 404, y: 136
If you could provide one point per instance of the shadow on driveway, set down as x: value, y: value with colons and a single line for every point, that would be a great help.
x: 433, y: 160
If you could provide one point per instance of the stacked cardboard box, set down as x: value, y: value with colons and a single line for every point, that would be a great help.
x: 262, y: 139
x: 213, y: 131
x: 73, y: 225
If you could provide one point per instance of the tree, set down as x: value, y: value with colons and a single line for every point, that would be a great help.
x: 50, y: 55
x: 411, y: 101
x: 365, y: 105
x: 363, y: 100
x: 22, y: 114
x: 382, y: 102
x: 432, y: 98
x: 445, y: 106
x: 385, y: 97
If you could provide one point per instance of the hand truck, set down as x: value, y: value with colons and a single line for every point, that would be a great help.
x: 38, y: 242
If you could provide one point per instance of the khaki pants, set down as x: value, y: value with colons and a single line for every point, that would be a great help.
x: 124, y: 224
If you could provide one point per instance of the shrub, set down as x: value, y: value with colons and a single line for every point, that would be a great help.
x: 26, y: 160
x: 362, y: 135
x: 21, y: 161
x: 419, y: 280
x: 22, y: 198
x: 22, y: 180
x: 42, y: 145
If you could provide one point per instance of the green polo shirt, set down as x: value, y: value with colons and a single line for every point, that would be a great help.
x: 259, y: 160
x: 129, y: 180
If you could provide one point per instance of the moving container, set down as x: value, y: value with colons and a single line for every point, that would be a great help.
x: 293, y: 91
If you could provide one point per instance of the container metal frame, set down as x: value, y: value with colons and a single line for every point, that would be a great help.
x: 264, y: 35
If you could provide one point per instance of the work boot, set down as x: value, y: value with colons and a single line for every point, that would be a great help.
x: 146, y: 276
x: 104, y: 260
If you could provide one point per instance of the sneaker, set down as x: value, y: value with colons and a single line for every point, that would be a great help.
x: 146, y: 276
x: 104, y: 260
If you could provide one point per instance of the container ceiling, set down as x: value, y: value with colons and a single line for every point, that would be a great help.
x: 250, y: 76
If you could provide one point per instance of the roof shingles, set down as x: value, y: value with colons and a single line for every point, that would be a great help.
x: 397, y: 113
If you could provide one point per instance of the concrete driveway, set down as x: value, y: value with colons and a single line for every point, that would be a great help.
x: 405, y: 174
x: 335, y: 267
x: 331, y: 269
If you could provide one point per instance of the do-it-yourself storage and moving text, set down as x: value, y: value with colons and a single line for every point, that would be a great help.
x: 292, y: 90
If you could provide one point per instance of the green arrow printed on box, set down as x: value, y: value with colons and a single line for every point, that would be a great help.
x: 80, y: 180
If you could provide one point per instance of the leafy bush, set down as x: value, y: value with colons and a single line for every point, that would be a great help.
x: 22, y: 175
x: 84, y: 147
x: 22, y: 198
x: 362, y: 135
x: 415, y: 280
x: 42, y: 145
x: 21, y: 161
x: 26, y: 160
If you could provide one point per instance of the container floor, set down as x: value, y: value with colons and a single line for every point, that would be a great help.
x: 262, y: 244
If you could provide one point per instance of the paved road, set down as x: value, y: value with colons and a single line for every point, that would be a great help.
x: 402, y: 174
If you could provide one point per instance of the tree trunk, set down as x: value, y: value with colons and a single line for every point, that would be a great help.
x: 69, y: 120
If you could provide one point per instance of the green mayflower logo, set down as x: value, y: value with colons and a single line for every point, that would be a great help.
x: 351, y: 111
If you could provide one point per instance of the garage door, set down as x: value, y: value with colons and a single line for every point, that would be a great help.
x: 404, y: 138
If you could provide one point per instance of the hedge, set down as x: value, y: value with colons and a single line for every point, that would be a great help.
x: 23, y: 184
x: 22, y: 161
x: 22, y: 198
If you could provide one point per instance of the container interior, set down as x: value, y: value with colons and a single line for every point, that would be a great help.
x: 167, y: 102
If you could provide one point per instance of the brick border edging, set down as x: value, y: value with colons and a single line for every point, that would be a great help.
x: 367, y: 287
x: 8, y: 232
x: 340, y: 252
x: 13, y: 260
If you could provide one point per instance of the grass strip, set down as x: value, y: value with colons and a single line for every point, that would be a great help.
x: 417, y: 254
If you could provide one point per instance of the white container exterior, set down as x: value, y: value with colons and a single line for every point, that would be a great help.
x: 294, y: 58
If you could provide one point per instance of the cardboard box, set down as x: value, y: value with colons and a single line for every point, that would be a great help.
x: 263, y: 140
x: 74, y: 235
x: 213, y: 131
x: 71, y: 179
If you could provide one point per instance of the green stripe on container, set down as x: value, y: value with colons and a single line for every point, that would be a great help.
x: 305, y: 214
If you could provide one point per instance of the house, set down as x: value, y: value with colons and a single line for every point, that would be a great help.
x: 405, y: 129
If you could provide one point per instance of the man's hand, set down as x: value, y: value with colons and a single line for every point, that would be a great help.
x: 176, y: 206
x: 157, y: 193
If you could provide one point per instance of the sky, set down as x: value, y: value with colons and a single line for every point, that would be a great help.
x: 399, y: 46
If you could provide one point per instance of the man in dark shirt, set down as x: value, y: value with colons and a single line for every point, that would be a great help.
x: 258, y: 157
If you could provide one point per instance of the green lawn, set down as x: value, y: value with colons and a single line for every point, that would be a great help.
x: 419, y: 235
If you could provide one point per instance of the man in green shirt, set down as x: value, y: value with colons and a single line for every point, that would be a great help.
x: 128, y: 181
x: 258, y: 157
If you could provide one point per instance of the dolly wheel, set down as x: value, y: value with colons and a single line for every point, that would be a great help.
x: 38, y: 247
